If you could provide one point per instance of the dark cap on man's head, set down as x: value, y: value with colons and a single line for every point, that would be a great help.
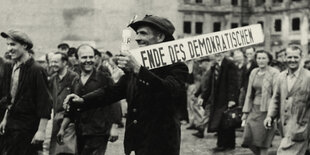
x: 63, y: 45
x: 18, y: 36
x: 161, y: 24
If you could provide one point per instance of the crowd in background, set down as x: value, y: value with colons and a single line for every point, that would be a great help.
x: 254, y: 80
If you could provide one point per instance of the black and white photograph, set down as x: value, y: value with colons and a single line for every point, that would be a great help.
x: 155, y: 77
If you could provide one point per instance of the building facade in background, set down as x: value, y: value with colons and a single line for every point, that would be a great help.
x: 99, y: 22
x: 283, y: 21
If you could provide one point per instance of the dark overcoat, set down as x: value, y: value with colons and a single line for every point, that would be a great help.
x: 154, y: 98
x: 220, y: 91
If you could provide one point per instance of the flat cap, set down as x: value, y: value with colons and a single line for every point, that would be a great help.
x: 63, y: 45
x: 160, y: 23
x: 18, y: 36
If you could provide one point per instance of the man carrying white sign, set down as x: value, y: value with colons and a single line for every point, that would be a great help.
x: 154, y: 96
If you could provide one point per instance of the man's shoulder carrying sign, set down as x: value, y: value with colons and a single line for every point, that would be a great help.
x: 182, y: 50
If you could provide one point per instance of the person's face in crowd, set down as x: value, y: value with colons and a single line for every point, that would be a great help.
x: 219, y: 57
x: 16, y: 49
x: 57, y: 64
x: 49, y: 56
x: 249, y: 53
x: 281, y: 57
x: 238, y: 57
x: 43, y: 64
x: 86, y: 58
x: 293, y: 58
x: 262, y: 60
x: 307, y: 65
x: 72, y: 59
x: 98, y: 60
x: 147, y: 36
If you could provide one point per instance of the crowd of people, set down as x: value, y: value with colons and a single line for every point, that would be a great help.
x: 272, y: 93
x: 80, y: 90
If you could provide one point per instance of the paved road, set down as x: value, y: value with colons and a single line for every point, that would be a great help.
x: 194, y: 146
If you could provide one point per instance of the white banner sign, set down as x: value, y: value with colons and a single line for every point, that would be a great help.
x: 181, y: 50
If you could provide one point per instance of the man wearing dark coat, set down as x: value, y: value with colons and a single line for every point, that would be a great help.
x: 222, y: 93
x: 61, y: 85
x: 29, y: 101
x: 93, y: 125
x: 153, y: 96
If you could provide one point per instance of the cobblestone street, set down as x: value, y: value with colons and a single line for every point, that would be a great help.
x: 194, y: 146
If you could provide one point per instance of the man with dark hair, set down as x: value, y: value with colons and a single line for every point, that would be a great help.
x: 98, y: 63
x: 153, y: 96
x: 72, y: 60
x: 63, y: 47
x: 92, y: 125
x: 280, y: 57
x: 61, y: 84
x: 29, y: 101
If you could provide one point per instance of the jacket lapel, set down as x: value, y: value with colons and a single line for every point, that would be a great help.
x: 65, y: 83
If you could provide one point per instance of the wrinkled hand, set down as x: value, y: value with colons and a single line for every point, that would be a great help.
x: 128, y: 62
x: 268, y: 122
x: 231, y: 104
x: 75, y: 98
x: 38, y: 137
x: 113, y: 134
x: 60, y: 137
x: 2, y: 127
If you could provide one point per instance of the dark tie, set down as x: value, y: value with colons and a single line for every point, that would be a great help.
x: 216, y: 70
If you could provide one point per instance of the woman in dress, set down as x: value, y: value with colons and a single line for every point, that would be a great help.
x: 260, y: 88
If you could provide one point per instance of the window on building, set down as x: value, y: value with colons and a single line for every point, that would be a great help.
x: 187, y: 27
x: 216, y: 26
x: 233, y: 25
x: 244, y: 24
x: 234, y: 2
x: 198, y: 1
x: 260, y: 2
x: 198, y: 27
x: 296, y: 24
x: 217, y: 1
x: 278, y: 25
x: 261, y: 23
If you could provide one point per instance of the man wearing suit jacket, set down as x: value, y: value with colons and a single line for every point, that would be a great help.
x: 291, y: 103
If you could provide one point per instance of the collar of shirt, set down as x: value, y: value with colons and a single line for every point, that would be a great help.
x: 295, y: 74
x: 63, y: 75
x: 18, y: 64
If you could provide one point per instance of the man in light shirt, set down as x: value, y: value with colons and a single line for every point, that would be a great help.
x: 290, y: 103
